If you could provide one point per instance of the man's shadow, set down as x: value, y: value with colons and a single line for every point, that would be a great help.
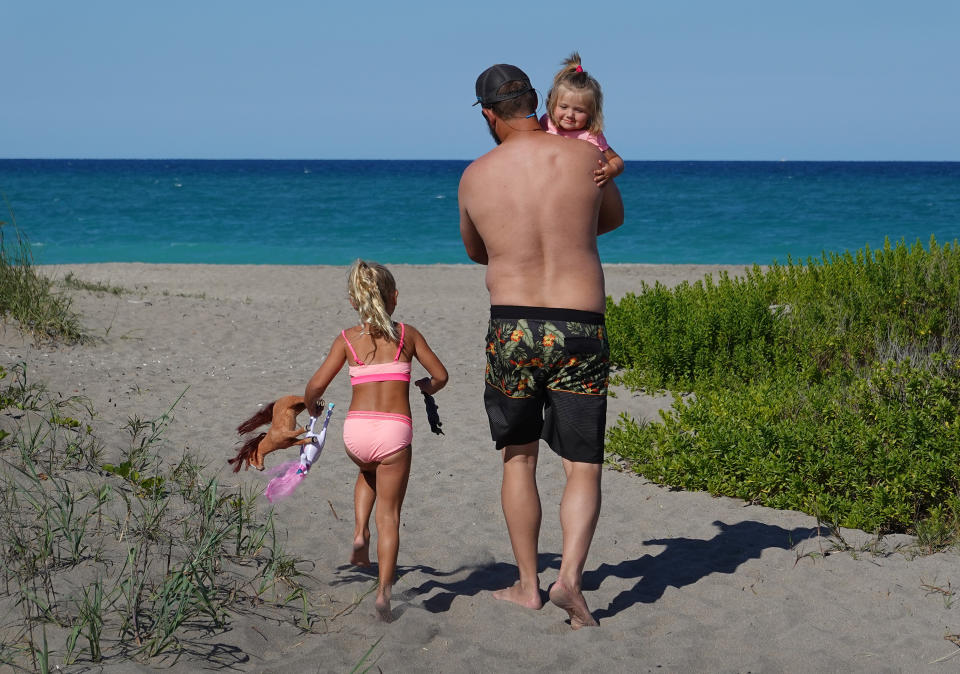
x: 687, y: 560
x: 683, y: 562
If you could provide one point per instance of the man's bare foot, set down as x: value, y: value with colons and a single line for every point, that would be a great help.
x: 518, y: 595
x: 361, y: 552
x: 382, y: 604
x: 574, y: 604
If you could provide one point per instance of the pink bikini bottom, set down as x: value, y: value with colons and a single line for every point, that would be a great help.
x: 373, y: 436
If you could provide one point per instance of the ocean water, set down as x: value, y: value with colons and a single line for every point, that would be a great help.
x: 330, y: 212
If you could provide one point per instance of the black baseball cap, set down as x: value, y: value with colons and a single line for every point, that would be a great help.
x: 495, y: 77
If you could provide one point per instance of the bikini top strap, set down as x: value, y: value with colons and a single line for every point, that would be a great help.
x: 400, y: 346
x: 344, y: 333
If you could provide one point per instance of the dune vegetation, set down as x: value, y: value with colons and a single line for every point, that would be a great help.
x: 29, y: 298
x: 830, y: 387
x: 108, y: 552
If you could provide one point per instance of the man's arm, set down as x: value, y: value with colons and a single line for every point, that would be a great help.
x: 472, y: 242
x: 611, y: 209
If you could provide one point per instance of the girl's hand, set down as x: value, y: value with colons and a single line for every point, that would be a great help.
x: 600, y: 174
x: 424, y: 386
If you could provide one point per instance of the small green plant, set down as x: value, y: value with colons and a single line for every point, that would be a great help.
x: 20, y: 393
x: 91, y: 608
x: 149, y: 486
x: 359, y: 667
x: 940, y: 530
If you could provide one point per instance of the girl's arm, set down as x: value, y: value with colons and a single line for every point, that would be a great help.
x: 611, y: 169
x: 429, y: 360
x: 324, y: 375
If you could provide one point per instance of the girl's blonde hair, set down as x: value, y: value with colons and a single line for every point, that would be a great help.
x: 577, y: 82
x: 371, y: 286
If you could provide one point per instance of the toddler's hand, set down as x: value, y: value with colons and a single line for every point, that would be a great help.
x: 600, y: 176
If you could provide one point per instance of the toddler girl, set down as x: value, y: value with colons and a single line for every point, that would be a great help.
x: 575, y: 110
x: 377, y: 431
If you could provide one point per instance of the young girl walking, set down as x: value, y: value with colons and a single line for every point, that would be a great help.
x: 575, y: 110
x: 377, y: 431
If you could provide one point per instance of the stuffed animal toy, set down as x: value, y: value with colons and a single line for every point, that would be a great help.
x: 283, y: 432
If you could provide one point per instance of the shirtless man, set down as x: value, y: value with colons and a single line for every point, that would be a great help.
x: 531, y: 212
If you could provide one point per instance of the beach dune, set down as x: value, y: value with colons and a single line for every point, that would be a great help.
x: 678, y: 581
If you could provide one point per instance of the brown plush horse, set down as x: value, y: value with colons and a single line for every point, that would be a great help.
x: 283, y: 432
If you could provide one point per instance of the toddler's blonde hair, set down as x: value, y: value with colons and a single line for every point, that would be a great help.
x: 371, y: 286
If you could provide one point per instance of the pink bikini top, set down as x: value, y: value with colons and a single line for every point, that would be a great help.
x: 397, y: 370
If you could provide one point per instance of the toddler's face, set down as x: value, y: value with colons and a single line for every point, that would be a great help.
x: 571, y: 111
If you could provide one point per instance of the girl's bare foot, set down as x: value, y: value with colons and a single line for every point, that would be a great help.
x: 574, y: 604
x: 382, y: 604
x: 528, y: 598
x: 361, y: 551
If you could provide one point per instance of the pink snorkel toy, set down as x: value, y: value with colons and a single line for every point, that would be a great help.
x: 290, y: 474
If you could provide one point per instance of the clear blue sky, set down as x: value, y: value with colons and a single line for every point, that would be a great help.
x: 754, y: 79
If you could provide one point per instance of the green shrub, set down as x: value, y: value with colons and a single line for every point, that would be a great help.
x: 673, y: 337
x: 835, y: 313
x: 878, y: 454
x: 831, y: 387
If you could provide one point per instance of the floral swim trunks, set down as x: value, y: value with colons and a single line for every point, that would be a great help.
x: 547, y: 375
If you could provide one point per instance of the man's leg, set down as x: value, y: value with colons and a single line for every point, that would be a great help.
x: 521, y: 509
x: 579, y: 511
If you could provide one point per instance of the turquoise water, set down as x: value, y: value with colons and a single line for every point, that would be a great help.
x: 330, y: 212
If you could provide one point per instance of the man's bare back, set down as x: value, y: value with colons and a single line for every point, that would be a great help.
x: 530, y: 211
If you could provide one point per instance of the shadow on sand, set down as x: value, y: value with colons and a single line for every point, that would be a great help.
x: 687, y: 560
x: 485, y: 578
x: 684, y: 561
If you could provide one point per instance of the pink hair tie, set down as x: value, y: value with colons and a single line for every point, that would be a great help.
x: 579, y: 69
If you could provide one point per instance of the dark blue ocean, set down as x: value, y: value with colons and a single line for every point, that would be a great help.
x: 330, y: 212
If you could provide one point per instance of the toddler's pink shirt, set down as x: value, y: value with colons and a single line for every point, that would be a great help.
x: 582, y: 134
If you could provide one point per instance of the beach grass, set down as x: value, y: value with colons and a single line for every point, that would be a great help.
x: 830, y: 387
x: 130, y: 559
x: 74, y: 283
x: 28, y: 297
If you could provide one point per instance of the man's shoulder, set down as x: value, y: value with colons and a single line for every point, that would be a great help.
x: 542, y: 147
x: 469, y: 174
x: 479, y: 165
x: 485, y: 157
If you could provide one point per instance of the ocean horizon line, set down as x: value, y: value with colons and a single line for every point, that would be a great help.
x: 782, y: 160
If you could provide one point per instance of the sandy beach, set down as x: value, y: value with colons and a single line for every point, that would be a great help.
x: 678, y: 581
